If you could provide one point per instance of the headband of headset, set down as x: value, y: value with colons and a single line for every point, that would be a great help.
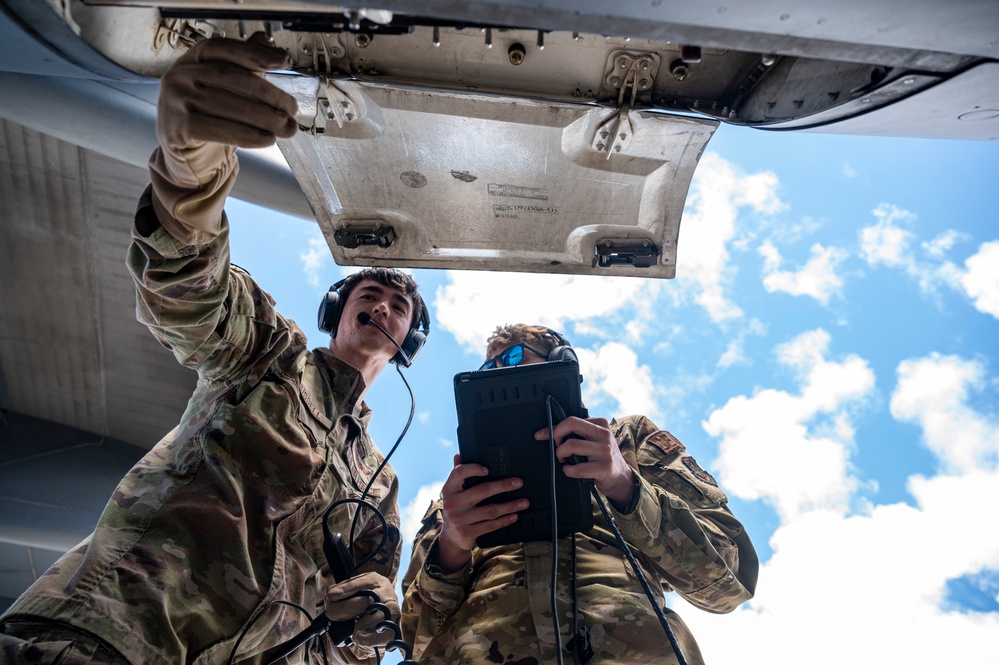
x: 331, y: 309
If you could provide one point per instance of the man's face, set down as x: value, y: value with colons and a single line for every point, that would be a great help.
x: 388, y: 307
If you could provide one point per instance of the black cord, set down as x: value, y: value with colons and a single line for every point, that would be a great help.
x: 232, y: 654
x: 322, y: 644
x: 367, y: 488
x: 364, y: 494
x: 555, y: 624
x: 641, y: 576
x: 575, y: 607
x: 621, y: 543
x: 361, y: 504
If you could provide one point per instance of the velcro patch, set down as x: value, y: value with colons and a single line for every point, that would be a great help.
x: 698, y: 472
x: 665, y: 442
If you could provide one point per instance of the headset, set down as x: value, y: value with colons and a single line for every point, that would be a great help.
x: 331, y: 309
x: 563, y: 350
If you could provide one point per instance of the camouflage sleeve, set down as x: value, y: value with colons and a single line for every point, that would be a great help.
x: 430, y: 595
x: 213, y: 318
x: 682, y: 525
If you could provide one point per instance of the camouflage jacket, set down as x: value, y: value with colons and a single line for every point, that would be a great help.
x: 498, y: 609
x: 224, y: 515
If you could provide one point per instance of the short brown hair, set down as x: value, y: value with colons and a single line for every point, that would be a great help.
x: 506, y: 336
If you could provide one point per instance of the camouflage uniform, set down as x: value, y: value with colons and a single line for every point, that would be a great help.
x: 498, y: 609
x: 224, y: 514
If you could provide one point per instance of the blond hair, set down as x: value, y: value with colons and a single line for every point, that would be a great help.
x: 539, y: 337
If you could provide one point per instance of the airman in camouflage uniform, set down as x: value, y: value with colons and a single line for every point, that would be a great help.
x: 465, y: 604
x: 223, y: 516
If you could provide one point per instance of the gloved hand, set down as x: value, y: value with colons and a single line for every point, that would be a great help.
x: 213, y: 100
x: 343, y: 602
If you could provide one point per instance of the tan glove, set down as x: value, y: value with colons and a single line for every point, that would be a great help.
x: 213, y: 100
x: 343, y: 602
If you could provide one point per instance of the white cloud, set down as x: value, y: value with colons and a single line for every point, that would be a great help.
x: 939, y: 246
x: 933, y: 392
x: 636, y: 329
x: 874, y: 580
x: 612, y: 373
x: 717, y: 194
x: 315, y: 259
x: 849, y: 171
x: 981, y: 280
x: 474, y: 303
x: 771, y: 449
x: 411, y: 515
x: 817, y: 279
x: 888, y: 243
x: 877, y: 578
x: 734, y: 354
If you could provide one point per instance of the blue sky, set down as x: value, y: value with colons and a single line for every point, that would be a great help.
x: 829, y: 350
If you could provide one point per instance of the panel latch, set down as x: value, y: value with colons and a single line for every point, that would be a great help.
x: 351, y: 237
x: 637, y: 252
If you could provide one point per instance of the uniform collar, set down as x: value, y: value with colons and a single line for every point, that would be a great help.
x: 347, y: 384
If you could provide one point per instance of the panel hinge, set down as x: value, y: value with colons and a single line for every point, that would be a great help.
x: 184, y: 33
x: 333, y: 105
x: 625, y: 72
x: 637, y: 252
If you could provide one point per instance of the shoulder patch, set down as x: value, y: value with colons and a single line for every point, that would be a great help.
x: 664, y: 441
x: 698, y: 472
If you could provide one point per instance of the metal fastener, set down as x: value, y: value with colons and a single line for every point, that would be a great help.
x: 679, y: 70
x: 517, y: 53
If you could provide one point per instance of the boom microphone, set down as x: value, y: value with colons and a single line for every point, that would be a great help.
x: 365, y: 319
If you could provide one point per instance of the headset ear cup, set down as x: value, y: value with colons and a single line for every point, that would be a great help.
x: 330, y: 309
x: 563, y: 353
x: 411, y: 346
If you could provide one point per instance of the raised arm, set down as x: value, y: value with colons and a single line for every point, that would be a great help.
x: 212, y: 100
